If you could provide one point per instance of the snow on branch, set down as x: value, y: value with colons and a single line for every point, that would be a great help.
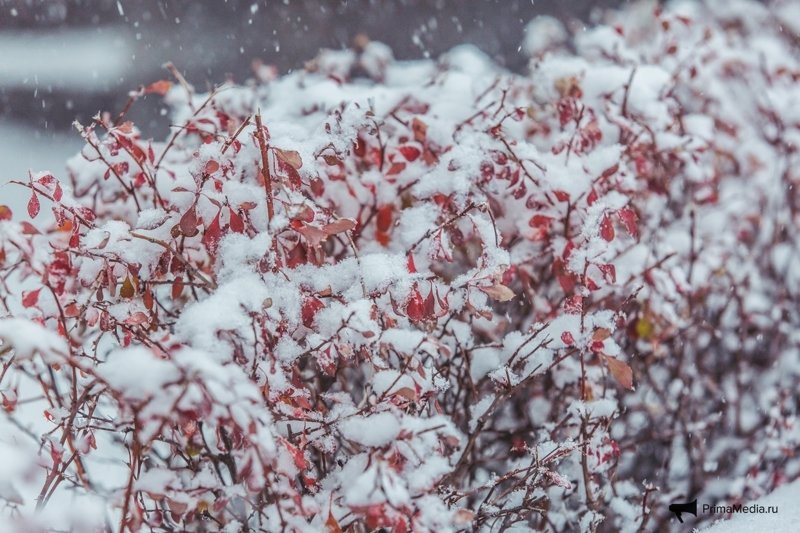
x: 420, y: 295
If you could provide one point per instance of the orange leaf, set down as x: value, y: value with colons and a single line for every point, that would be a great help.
x: 159, y: 87
x: 332, y: 524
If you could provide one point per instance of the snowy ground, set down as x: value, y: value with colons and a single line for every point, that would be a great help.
x: 786, y: 520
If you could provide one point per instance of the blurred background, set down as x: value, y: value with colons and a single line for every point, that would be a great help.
x: 62, y: 60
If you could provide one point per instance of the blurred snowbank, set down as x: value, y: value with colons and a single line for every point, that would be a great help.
x: 80, y: 59
x: 22, y: 148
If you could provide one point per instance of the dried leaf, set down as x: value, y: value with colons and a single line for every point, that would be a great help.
x: 499, y: 292
x: 137, y: 318
x: 339, y: 226
x: 313, y: 235
x: 290, y: 157
x: 420, y: 130
x: 601, y: 334
x: 5, y: 212
x: 127, y: 290
x: 406, y: 392
x: 621, y: 372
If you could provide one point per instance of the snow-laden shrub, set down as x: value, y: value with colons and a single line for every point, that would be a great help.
x: 421, y: 295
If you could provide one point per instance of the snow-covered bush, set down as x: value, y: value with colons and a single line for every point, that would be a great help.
x: 421, y: 295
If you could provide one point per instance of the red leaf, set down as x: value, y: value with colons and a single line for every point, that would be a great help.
x: 30, y: 298
x: 411, y: 153
x: 567, y: 338
x: 177, y: 288
x: 310, y: 308
x: 46, y: 180
x: 628, y: 218
x: 296, y: 256
x: 609, y: 272
x: 188, y: 223
x: 540, y: 221
x: 237, y: 224
x: 5, y: 212
x: 565, y: 278
x: 415, y: 307
x: 607, y: 228
x: 592, y: 198
x: 212, y: 235
x: 147, y: 299
x: 412, y: 268
x: 430, y: 305
x: 313, y: 235
x: 562, y: 196
x: 33, y: 205
x: 297, y: 454
x: 541, y: 225
x: 609, y: 171
x: 396, y: 168
x: 58, y: 193
x: 574, y: 304
x: 295, y: 181
x: 384, y: 218
x: 211, y: 167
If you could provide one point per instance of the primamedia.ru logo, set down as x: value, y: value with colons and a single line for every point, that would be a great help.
x: 692, y: 507
x: 752, y: 508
